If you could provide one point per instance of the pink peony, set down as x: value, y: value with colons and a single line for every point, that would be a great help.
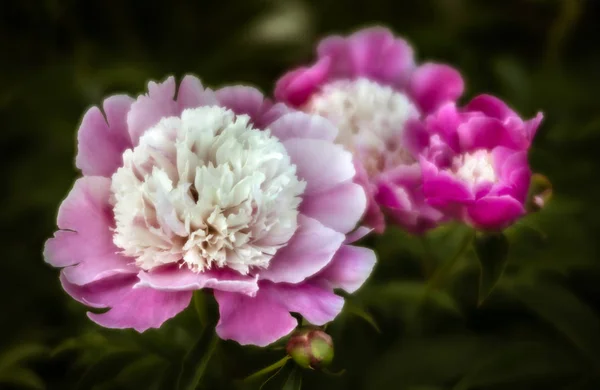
x: 209, y: 189
x: 476, y: 168
x: 369, y: 86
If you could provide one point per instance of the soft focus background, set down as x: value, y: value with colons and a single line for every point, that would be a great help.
x: 417, y: 324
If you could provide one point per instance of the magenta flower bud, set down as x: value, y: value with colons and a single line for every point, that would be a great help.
x: 370, y: 87
x: 310, y: 348
x: 476, y: 168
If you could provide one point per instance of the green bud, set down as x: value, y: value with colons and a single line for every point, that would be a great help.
x: 310, y: 348
x: 540, y: 192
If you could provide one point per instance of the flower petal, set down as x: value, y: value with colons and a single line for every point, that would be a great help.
x: 192, y: 94
x: 174, y: 278
x: 259, y: 320
x: 487, y: 133
x: 95, y: 268
x: 315, y: 303
x: 296, y: 86
x: 102, y: 140
x: 495, y: 212
x: 322, y: 164
x: 491, y: 106
x: 86, y: 216
x: 432, y: 85
x: 349, y: 269
x: 339, y: 208
x: 378, y: 55
x: 311, y: 248
x: 148, y: 109
x: 301, y: 125
x: 441, y: 189
x: 138, y: 308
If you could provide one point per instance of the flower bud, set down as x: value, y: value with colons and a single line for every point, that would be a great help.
x: 540, y: 192
x: 310, y: 348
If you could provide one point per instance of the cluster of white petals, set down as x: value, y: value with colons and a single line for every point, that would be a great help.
x: 370, y: 116
x: 207, y: 188
x: 475, y: 168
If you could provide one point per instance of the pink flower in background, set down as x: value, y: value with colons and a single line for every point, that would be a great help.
x: 209, y: 189
x: 476, y: 168
x: 368, y: 85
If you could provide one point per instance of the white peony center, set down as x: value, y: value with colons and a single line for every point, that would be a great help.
x: 205, y: 190
x: 371, y: 118
x: 475, y: 168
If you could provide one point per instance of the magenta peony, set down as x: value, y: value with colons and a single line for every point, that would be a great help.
x: 476, y: 168
x: 368, y: 85
x: 205, y: 189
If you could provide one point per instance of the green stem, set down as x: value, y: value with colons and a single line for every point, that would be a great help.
x: 268, y: 369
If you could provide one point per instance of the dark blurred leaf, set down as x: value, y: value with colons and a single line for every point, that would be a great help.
x: 352, y: 307
x: 563, y: 310
x: 106, y: 368
x: 427, y: 362
x: 492, y: 252
x: 22, y: 377
x: 294, y: 380
x: 403, y: 296
x: 142, y: 373
x: 521, y: 362
x: 20, y: 353
x: 270, y: 368
x: 196, y: 360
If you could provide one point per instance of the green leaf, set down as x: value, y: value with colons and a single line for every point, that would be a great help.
x: 405, y: 296
x: 294, y: 380
x: 492, y: 251
x: 196, y: 361
x: 521, y: 362
x: 354, y: 308
x: 268, y: 369
x: 565, y: 311
x: 17, y: 354
x: 22, y: 377
x: 427, y: 362
x: 106, y: 368
x: 141, y: 373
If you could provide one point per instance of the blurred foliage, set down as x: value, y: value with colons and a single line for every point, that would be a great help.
x: 419, y: 324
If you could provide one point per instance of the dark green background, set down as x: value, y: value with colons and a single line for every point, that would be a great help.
x: 540, y: 327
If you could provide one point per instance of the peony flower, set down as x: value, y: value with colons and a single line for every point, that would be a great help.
x: 368, y: 85
x: 205, y: 189
x: 476, y: 167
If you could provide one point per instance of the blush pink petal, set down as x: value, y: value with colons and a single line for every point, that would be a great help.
x: 175, y: 278
x: 296, y: 86
x: 339, y: 208
x: 95, y: 268
x: 433, y: 85
x: 323, y: 165
x: 301, y: 125
x: 495, y: 212
x: 149, y: 109
x: 161, y: 102
x: 102, y: 138
x: 317, y: 304
x: 259, y: 320
x: 377, y: 54
x: 444, y: 123
x: 311, y: 248
x: 357, y: 234
x: 191, y: 94
x: 415, y: 137
x: 373, y: 216
x: 138, y: 308
x: 349, y: 269
x: 85, y: 219
x: 532, y: 125
x: 250, y: 101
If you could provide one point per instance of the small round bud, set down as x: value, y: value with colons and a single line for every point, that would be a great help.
x: 540, y: 192
x: 310, y: 348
